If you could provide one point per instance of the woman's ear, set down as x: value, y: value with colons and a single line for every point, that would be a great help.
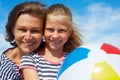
x: 13, y: 30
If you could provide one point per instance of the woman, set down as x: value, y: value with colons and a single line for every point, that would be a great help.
x: 24, y: 31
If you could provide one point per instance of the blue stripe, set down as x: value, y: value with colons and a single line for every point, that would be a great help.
x: 8, y: 69
x: 73, y: 57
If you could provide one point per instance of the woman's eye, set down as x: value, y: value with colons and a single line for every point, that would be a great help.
x: 22, y: 30
x: 35, y: 31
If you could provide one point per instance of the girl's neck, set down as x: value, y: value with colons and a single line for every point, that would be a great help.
x: 54, y: 55
x: 57, y: 53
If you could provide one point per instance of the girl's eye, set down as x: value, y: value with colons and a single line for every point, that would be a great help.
x: 49, y: 29
x: 62, y: 30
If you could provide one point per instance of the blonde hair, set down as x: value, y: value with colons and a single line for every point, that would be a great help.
x: 75, y: 38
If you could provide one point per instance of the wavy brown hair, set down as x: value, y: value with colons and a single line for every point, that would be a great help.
x: 35, y: 9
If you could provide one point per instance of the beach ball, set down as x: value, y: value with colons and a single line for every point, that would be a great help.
x: 84, y: 63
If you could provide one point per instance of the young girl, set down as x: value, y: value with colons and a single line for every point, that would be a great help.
x: 61, y: 37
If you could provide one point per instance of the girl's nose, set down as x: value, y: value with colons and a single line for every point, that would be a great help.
x: 55, y: 35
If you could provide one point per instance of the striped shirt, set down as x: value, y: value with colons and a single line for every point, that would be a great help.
x: 8, y: 69
x: 46, y: 69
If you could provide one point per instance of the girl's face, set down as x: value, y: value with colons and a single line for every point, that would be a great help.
x: 28, y: 32
x: 56, y: 32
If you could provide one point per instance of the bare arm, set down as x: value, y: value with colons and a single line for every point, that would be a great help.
x: 30, y: 74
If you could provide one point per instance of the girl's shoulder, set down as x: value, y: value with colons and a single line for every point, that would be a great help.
x: 33, y: 56
x: 65, y: 54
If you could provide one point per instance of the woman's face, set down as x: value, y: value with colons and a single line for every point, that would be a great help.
x: 56, y: 32
x: 28, y: 32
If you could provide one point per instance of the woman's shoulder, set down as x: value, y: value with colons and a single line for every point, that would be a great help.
x: 6, y: 63
x: 3, y: 56
x: 8, y: 49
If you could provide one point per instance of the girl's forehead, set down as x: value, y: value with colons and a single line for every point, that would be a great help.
x: 59, y: 20
x: 59, y: 17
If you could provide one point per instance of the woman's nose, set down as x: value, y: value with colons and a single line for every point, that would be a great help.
x: 28, y: 35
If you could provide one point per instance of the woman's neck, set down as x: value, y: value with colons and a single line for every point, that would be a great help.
x: 15, y: 55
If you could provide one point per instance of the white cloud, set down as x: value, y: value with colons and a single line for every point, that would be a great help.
x: 4, y: 44
x: 100, y: 24
x: 101, y: 17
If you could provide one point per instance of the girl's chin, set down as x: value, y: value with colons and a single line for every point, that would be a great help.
x: 55, y: 48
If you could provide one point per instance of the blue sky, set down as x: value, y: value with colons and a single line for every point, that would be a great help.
x: 98, y: 20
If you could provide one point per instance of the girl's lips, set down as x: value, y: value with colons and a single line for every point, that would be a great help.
x: 56, y: 42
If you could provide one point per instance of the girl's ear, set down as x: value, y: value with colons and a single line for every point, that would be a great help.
x: 71, y: 31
